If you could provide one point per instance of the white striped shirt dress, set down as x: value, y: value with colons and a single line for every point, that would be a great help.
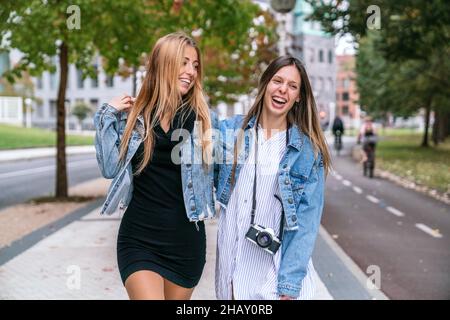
x: 244, y: 271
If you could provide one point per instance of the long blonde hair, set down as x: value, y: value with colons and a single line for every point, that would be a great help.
x: 159, y: 96
x: 303, y: 114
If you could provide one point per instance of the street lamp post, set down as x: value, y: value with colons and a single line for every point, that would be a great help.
x: 283, y: 7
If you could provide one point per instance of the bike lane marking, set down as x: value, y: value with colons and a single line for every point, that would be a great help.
x: 346, y: 183
x: 432, y: 232
x: 357, y: 190
x: 394, y: 211
x: 372, y: 199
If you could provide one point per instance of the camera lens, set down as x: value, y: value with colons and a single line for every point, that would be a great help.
x: 264, y: 239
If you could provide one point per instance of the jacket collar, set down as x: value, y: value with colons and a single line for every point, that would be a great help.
x: 296, y: 136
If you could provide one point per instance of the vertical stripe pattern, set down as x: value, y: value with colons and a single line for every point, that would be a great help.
x: 243, y: 269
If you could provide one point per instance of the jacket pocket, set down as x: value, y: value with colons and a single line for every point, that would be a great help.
x: 298, y: 183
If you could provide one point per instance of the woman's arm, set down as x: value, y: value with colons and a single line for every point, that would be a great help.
x: 298, y: 244
x: 107, y: 121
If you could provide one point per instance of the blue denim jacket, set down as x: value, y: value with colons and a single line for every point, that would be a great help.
x: 197, y: 182
x: 301, y: 183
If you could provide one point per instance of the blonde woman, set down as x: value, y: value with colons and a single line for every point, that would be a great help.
x: 157, y: 148
x: 272, y: 192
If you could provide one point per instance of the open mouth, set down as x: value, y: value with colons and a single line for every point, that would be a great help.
x: 185, y: 82
x: 278, y: 102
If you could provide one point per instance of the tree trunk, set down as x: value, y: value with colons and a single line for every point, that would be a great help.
x: 61, y: 170
x: 134, y: 80
x: 427, y: 123
x: 435, y: 132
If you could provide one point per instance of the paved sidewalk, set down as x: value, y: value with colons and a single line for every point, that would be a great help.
x: 33, y: 153
x: 78, y: 261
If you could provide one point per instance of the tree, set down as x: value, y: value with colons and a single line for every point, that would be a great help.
x: 81, y: 111
x: 122, y: 32
x: 413, y: 37
x: 42, y: 30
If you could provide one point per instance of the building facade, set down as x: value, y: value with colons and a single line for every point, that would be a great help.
x: 89, y: 91
x: 347, y: 97
x: 317, y: 50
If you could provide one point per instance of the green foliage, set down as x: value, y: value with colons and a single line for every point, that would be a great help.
x: 402, y: 66
x: 401, y: 155
x: 81, y: 111
x: 123, y: 32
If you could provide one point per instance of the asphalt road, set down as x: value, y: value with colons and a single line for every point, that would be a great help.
x: 383, y: 227
x: 26, y: 179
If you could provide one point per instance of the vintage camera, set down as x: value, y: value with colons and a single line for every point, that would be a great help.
x: 263, y: 237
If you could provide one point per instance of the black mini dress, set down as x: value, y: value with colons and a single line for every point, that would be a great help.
x: 155, y: 233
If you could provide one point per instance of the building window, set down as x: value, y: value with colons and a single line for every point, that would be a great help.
x: 345, y: 110
x: 94, y: 81
x: 345, y: 96
x: 80, y: 80
x: 330, y: 56
x: 109, y: 81
x: 320, y: 55
x: 52, y: 104
x: 94, y: 103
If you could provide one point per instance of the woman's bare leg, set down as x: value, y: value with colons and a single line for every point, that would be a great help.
x: 173, y: 291
x: 145, y: 285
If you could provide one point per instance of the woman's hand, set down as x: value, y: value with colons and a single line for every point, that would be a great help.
x: 122, y: 103
x: 284, y: 297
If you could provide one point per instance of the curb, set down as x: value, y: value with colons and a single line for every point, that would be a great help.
x: 352, y: 267
x: 19, y: 246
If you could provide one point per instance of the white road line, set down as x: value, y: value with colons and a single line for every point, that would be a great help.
x: 427, y: 229
x: 338, y: 177
x: 43, y: 169
x: 372, y: 199
x: 346, y: 183
x: 357, y: 190
x: 398, y: 213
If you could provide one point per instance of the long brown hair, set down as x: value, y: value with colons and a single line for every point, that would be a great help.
x: 304, y: 113
x: 159, y: 96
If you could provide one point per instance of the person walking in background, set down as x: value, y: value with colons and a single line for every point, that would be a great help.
x: 272, y: 194
x: 338, y: 132
x: 161, y: 241
x: 368, y: 138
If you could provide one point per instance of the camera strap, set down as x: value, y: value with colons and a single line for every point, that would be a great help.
x: 253, y: 212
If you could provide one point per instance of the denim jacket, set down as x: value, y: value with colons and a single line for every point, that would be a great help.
x: 301, y: 183
x: 197, y: 182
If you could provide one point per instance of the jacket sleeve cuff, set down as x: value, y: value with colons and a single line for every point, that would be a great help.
x: 105, y: 108
x: 288, y: 290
